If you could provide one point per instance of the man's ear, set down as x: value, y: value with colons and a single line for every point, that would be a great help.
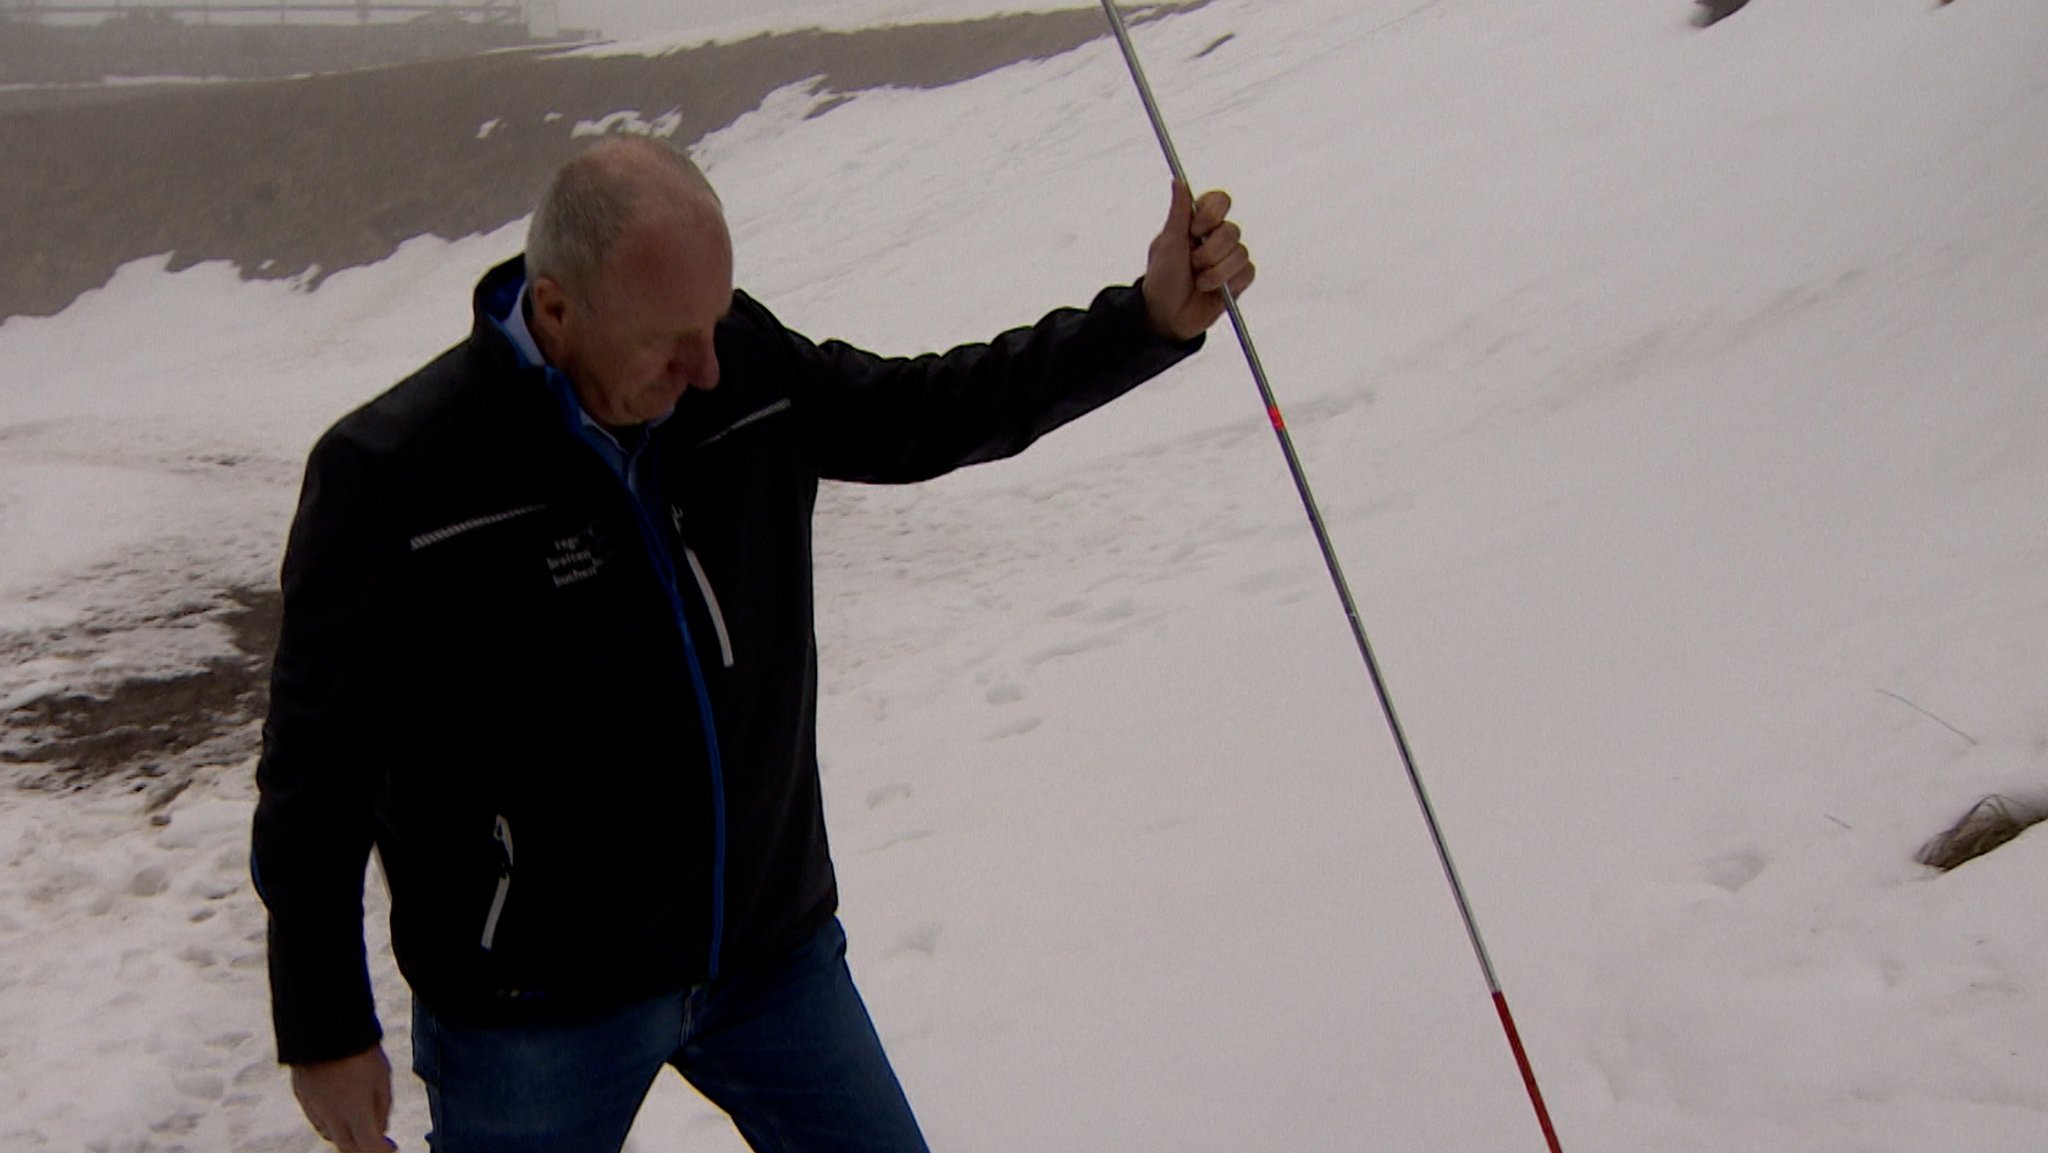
x: 550, y: 312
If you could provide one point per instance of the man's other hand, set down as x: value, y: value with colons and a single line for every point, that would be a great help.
x: 348, y: 1101
x: 1197, y: 255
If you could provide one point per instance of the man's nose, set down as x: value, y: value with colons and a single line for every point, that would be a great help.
x: 696, y: 363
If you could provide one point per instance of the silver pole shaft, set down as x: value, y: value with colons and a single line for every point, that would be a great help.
x: 1372, y: 664
x: 1315, y: 517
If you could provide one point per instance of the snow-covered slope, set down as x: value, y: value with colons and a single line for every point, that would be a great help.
x: 1676, y: 400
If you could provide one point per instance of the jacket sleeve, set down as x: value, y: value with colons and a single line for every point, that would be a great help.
x: 316, y: 782
x: 896, y: 420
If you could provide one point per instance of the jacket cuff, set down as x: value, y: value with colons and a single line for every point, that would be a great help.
x: 325, y: 1014
x: 1131, y: 299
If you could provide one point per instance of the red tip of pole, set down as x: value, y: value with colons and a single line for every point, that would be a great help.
x: 1507, y: 1020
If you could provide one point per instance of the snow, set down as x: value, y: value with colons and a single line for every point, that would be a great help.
x: 629, y: 121
x: 1675, y: 401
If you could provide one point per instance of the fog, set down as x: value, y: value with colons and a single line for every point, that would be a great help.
x: 623, y: 18
x: 56, y: 42
x: 614, y: 19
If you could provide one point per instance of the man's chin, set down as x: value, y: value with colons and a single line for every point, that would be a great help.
x: 659, y: 410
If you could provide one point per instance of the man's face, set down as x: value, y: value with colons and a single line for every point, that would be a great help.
x: 640, y: 336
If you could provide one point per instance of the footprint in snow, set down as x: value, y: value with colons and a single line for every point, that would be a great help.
x: 1015, y: 729
x: 1069, y: 649
x: 1268, y: 581
x: 148, y: 882
x: 1733, y: 871
x: 1120, y: 609
x: 904, y: 839
x: 922, y: 940
x: 888, y: 794
x: 201, y: 1086
x: 176, y: 1125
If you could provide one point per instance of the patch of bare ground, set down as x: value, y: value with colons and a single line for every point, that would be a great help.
x: 154, y: 734
x: 304, y: 177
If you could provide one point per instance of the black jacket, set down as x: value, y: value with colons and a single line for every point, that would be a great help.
x: 581, y: 730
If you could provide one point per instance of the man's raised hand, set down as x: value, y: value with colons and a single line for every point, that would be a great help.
x: 1196, y: 255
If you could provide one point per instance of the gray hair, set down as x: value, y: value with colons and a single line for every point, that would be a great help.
x: 593, y: 198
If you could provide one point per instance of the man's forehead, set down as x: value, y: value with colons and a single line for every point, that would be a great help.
x: 664, y: 240
x: 659, y: 272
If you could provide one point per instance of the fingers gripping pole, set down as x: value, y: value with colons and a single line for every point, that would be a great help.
x: 1322, y: 535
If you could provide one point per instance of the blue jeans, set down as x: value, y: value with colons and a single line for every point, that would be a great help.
x: 787, y: 1050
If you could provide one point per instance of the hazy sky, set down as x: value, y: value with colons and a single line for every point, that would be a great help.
x: 625, y: 19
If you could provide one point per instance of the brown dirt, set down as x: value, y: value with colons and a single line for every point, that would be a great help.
x: 150, y: 40
x: 160, y: 730
x: 331, y: 172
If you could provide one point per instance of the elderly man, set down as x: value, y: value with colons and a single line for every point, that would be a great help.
x: 548, y: 648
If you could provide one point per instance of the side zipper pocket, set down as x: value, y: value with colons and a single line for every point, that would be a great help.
x: 710, y: 602
x: 501, y: 833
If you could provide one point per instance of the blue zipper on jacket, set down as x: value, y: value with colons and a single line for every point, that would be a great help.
x: 662, y: 557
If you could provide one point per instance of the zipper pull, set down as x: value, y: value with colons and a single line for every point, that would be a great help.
x: 502, y: 834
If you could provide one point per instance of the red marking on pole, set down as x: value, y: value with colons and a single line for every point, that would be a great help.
x: 1273, y: 414
x: 1500, y: 1002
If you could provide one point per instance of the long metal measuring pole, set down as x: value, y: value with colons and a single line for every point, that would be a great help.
x: 1322, y: 533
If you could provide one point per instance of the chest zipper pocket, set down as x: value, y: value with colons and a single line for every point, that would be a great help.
x: 675, y: 513
x: 711, y: 603
x: 502, y: 834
